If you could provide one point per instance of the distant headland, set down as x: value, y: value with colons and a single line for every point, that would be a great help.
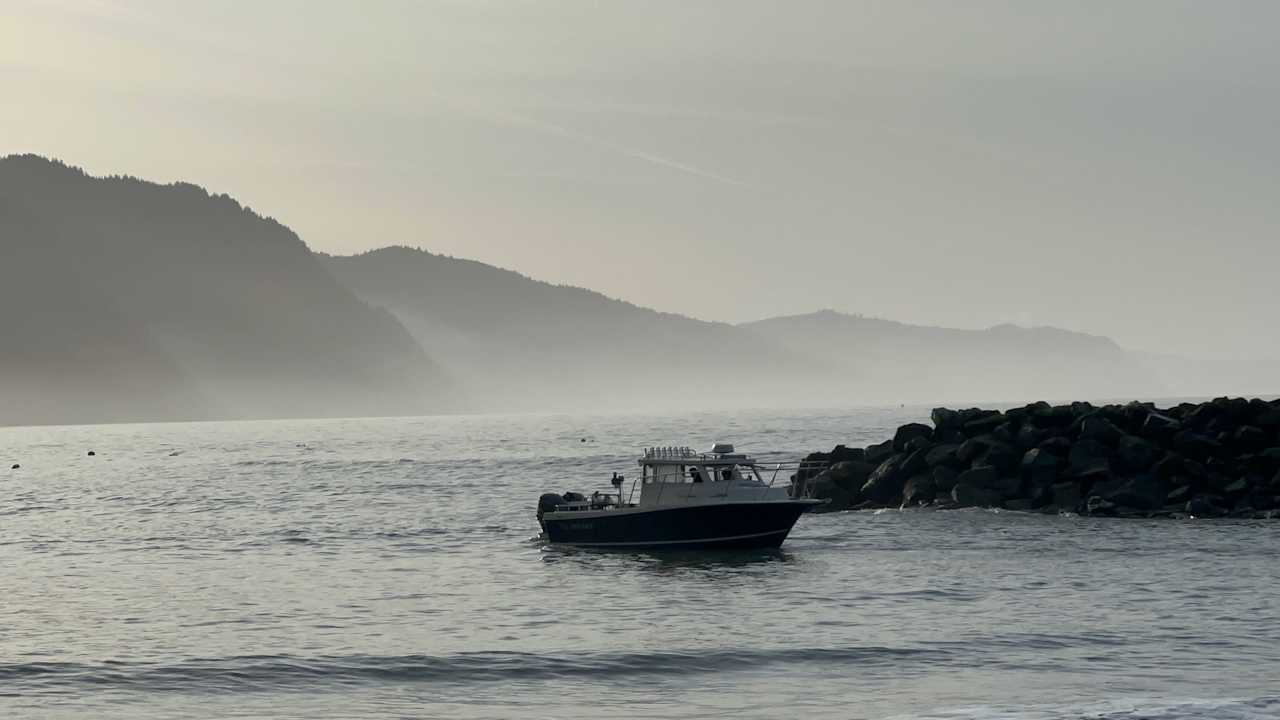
x: 1219, y: 458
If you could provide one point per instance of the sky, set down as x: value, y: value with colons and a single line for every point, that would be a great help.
x: 1109, y: 167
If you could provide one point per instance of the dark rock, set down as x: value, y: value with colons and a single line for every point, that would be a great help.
x: 885, y: 483
x: 989, y: 478
x: 1001, y: 457
x: 943, y: 455
x: 1196, y: 446
x: 1179, y: 495
x: 92, y: 453
x: 1160, y: 428
x: 1039, y: 466
x: 981, y: 477
x: 944, y: 478
x: 919, y: 443
x: 919, y: 490
x: 841, y: 454
x: 1029, y: 437
x: 1168, y: 467
x: 945, y: 419
x: 915, y: 463
x: 1144, y: 492
x: 879, y: 452
x: 1100, y: 429
x: 1268, y: 418
x: 1067, y: 496
x: 1271, y: 456
x: 1016, y: 416
x: 1052, y: 418
x: 1004, y: 433
x: 851, y: 475
x: 1099, y: 506
x: 970, y: 496
x: 1136, y: 454
x: 1087, y: 452
x: 972, y: 449
x: 1199, y: 417
x: 909, y: 432
x: 1248, y: 439
x: 1236, y: 488
x: 983, y: 424
x: 1204, y: 506
x: 1058, y: 445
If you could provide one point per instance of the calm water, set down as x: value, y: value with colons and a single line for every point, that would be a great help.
x: 389, y: 568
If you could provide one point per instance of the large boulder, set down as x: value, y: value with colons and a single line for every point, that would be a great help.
x: 983, y: 424
x: 1268, y: 418
x: 944, y: 478
x: 1160, y: 428
x: 909, y: 432
x: 1040, y: 466
x: 1143, y: 492
x: 879, y: 452
x: 945, y: 419
x: 973, y: 448
x: 970, y: 496
x: 983, y: 476
x: 1249, y: 439
x: 1100, y: 506
x: 915, y: 463
x: 1029, y: 436
x: 1100, y: 429
x: 823, y: 487
x: 1089, y: 459
x: 1136, y: 454
x: 1205, y: 506
x: 989, y: 478
x: 1169, y: 466
x: 919, y: 490
x: 884, y: 486
x: 1067, y: 496
x: 1001, y: 457
x: 1180, y: 493
x: 1196, y: 446
x: 851, y: 475
x: 944, y: 455
x: 1057, y: 444
x: 841, y: 453
x: 1057, y: 417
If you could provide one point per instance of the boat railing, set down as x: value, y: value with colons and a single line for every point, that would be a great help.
x: 690, y: 478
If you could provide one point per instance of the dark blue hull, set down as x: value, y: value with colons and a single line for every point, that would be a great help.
x: 691, y: 527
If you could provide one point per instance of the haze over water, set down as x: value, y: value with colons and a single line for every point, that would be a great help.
x: 389, y: 567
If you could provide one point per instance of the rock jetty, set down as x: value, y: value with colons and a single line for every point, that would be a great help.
x: 1214, y: 459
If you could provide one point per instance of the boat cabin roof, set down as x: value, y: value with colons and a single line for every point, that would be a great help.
x: 721, y: 454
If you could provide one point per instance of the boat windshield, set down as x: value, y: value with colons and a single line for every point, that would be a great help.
x: 709, y: 473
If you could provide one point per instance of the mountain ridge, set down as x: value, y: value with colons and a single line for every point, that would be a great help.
x: 147, y: 301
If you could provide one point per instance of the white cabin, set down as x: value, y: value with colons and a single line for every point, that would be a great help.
x: 681, y: 476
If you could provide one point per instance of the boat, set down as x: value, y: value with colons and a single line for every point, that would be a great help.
x: 687, y: 501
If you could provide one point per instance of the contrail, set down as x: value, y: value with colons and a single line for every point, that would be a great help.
x: 564, y: 132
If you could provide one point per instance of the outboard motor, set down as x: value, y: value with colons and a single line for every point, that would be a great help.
x: 548, y: 502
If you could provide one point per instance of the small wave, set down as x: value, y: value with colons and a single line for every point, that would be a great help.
x: 275, y: 672
x: 1262, y: 708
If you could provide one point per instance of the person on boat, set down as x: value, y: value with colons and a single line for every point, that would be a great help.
x: 696, y: 474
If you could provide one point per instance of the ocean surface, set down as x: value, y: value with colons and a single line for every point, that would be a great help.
x: 391, y: 568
